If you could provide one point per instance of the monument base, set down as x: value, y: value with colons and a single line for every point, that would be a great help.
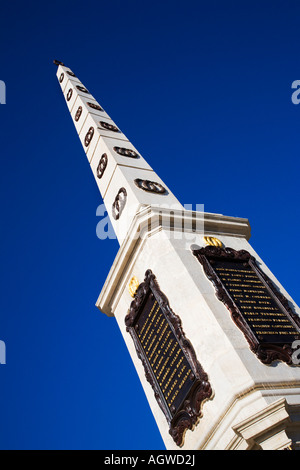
x: 253, y: 404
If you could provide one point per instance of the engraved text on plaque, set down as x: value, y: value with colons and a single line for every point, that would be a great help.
x: 257, y: 307
x: 179, y: 382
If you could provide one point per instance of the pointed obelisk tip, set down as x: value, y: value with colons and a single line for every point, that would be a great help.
x: 57, y: 62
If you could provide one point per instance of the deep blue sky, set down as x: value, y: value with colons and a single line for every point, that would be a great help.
x: 203, y: 90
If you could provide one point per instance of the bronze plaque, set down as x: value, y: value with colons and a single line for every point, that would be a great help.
x: 256, y: 306
x: 179, y: 382
x: 171, y: 369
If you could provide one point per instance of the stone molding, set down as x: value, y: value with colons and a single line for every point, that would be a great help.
x: 159, y: 218
x: 265, y: 430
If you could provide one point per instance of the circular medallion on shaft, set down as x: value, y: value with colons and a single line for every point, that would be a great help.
x: 119, y: 203
x: 95, y: 106
x: 82, y: 89
x: 126, y: 152
x: 69, y: 94
x: 150, y: 186
x: 89, y: 136
x: 102, y: 166
x: 108, y: 127
x: 78, y: 113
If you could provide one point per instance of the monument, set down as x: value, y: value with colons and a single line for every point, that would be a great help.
x: 211, y: 332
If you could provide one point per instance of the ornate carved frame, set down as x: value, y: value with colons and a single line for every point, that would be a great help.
x: 189, y: 412
x: 266, y: 352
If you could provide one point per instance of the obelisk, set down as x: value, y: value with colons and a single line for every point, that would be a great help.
x: 211, y: 332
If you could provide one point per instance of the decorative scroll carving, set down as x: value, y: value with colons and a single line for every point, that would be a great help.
x: 62, y: 75
x: 126, y: 152
x: 119, y: 203
x: 109, y: 127
x: 78, y: 113
x: 95, y: 106
x: 178, y: 380
x: 102, y: 166
x: 69, y: 94
x: 150, y: 186
x: 213, y: 241
x: 82, y: 88
x: 71, y: 73
x: 89, y: 136
x: 261, y: 312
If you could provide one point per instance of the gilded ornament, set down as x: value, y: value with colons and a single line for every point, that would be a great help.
x: 133, y: 286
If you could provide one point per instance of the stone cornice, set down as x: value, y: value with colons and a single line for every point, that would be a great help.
x: 150, y: 220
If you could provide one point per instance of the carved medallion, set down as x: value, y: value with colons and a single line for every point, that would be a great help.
x: 78, y: 113
x: 126, y: 152
x: 61, y: 77
x: 82, y: 88
x: 95, y: 106
x: 102, y: 166
x: 69, y: 94
x: 89, y: 136
x: 71, y: 73
x: 179, y: 383
x: 108, y: 127
x: 150, y: 186
x: 119, y: 203
x: 261, y: 312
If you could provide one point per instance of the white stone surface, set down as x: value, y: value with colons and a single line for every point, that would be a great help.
x: 93, y: 121
x: 106, y: 145
x: 72, y: 86
x: 124, y: 177
x: 63, y: 69
x: 84, y: 100
x: 70, y: 95
x: 83, y: 103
